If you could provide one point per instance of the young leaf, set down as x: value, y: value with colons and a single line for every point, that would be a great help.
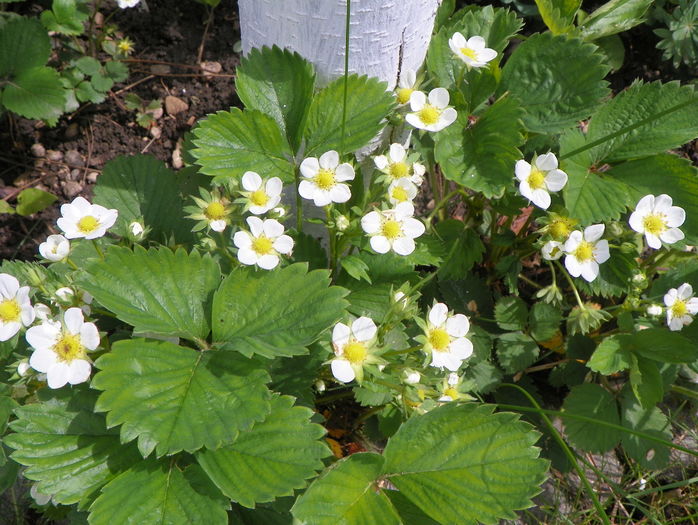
x: 32, y: 200
x: 556, y: 92
x: 614, y: 17
x: 24, y: 44
x: 346, y: 494
x: 275, y: 313
x: 591, y: 400
x: 516, y: 351
x: 367, y: 105
x: 158, y: 492
x: 229, y: 143
x: 269, y: 460
x: 173, y: 398
x: 471, y: 450
x: 612, y: 355
x: 66, y: 447
x: 481, y: 156
x: 646, y: 381
x: 157, y: 291
x: 36, y: 93
x: 648, y: 454
x: 356, y: 268
x: 511, y: 313
x: 142, y: 188
x: 558, y: 15
x: 280, y: 84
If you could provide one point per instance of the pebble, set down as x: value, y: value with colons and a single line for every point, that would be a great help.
x: 74, y: 158
x: 75, y: 174
x: 72, y: 131
x: 71, y: 188
x: 53, y: 155
x: 175, y: 105
x: 92, y: 177
x: 38, y: 150
x: 155, y: 132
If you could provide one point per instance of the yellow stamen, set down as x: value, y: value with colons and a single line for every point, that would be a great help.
x: 69, y: 347
x: 324, y: 179
x: 654, y: 223
x: 429, y: 114
x: 560, y: 229
x: 471, y: 54
x: 679, y: 308
x: 391, y: 229
x: 439, y: 339
x: 88, y: 224
x: 403, y: 95
x: 452, y: 393
x: 263, y: 245
x: 215, y: 211
x: 584, y: 252
x: 398, y: 170
x: 400, y: 194
x: 9, y: 310
x: 536, y: 180
x: 259, y: 198
x: 355, y: 352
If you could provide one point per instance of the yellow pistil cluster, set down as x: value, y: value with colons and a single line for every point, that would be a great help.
x: 215, y: 211
x: 469, y: 53
x: 263, y: 245
x: 584, y: 252
x: 561, y: 227
x: 355, y: 352
x: 400, y: 194
x: 536, y: 180
x: 439, y: 339
x: 125, y: 46
x: 88, y: 224
x: 452, y: 393
x: 429, y: 114
x: 654, y: 223
x: 403, y: 95
x: 391, y: 229
x: 324, y: 179
x: 9, y: 311
x: 69, y: 347
x: 679, y: 308
x: 259, y: 197
x: 398, y: 170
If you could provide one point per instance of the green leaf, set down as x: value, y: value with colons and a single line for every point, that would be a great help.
x: 590, y: 400
x: 465, y: 248
x: 275, y: 313
x: 346, y: 494
x: 614, y: 17
x: 612, y: 355
x: 356, y: 268
x: 66, y: 447
x: 644, y: 119
x: 229, y: 143
x: 157, y: 291
x: 646, y: 381
x: 101, y: 83
x: 86, y: 93
x: 649, y: 454
x: 116, y: 70
x: 280, y: 84
x: 309, y: 250
x: 558, y: 15
x: 615, y: 276
x: 24, y: 44
x: 143, y: 189
x: 33, y: 200
x: 271, y: 459
x: 36, y: 93
x: 408, y: 511
x: 471, y: 452
x: 368, y: 104
x: 516, y: 351
x: 614, y: 49
x: 555, y: 91
x: 511, y: 313
x: 659, y: 344
x: 157, y: 493
x: 481, y: 156
x: 544, y: 321
x: 88, y: 65
x: 659, y: 174
x: 65, y: 17
x: 173, y: 398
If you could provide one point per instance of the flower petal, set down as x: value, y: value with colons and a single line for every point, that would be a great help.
x: 251, y: 181
x: 546, y: 162
x: 340, y: 337
x: 329, y: 160
x: 522, y: 169
x: 462, y: 348
x: 268, y: 261
x: 413, y: 228
x: 342, y: 370
x: 675, y: 216
x: 272, y: 228
x: 310, y: 167
x: 364, y: 329
x: 438, y: 314
x: 42, y: 360
x: 397, y: 152
x: 457, y: 326
x: 247, y: 256
x: 307, y: 189
x: 417, y: 101
x: 340, y: 193
x: 671, y: 236
x: 79, y: 371
x: 283, y: 244
x: 256, y: 226
x: 371, y: 222
x: 344, y: 172
x: 594, y: 232
x: 89, y: 336
x: 555, y: 180
x: 439, y: 97
x: 403, y: 246
x: 380, y: 244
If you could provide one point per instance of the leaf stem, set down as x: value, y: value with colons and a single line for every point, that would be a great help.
x: 99, y: 250
x: 299, y: 202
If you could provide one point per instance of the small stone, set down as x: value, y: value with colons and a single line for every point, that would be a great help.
x: 72, y: 131
x: 92, y: 177
x: 38, y: 150
x: 177, y: 161
x: 71, y: 188
x: 53, y: 155
x: 75, y: 174
x: 211, y: 68
x: 174, y: 105
x: 155, y: 132
x: 74, y: 158
x: 156, y: 113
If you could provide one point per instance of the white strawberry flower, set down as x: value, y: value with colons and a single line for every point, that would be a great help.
x: 432, y: 114
x: 584, y: 252
x: 261, y: 195
x: 401, y: 190
x: 55, y: 248
x: 263, y: 243
x: 352, y: 349
x: 552, y: 250
x: 80, y: 219
x: 60, y: 348
x: 681, y: 306
x: 658, y: 220
x: 406, y: 86
x: 445, y: 338
x: 324, y: 178
x: 393, y: 229
x: 396, y: 167
x: 124, y: 4
x: 15, y: 307
x: 472, y: 51
x: 537, y: 180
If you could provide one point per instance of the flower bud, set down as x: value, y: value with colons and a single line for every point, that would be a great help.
x: 342, y: 223
x: 654, y: 309
x: 411, y: 377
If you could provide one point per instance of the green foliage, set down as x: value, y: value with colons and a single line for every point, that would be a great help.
x: 595, y: 402
x: 66, y: 17
x: 178, y: 398
x: 544, y: 321
x: 558, y: 15
x: 649, y: 454
x: 612, y: 355
x: 614, y: 17
x: 23, y: 45
x: 465, y: 248
x: 516, y: 351
x: 33, y: 200
x: 511, y: 313
x: 679, y: 38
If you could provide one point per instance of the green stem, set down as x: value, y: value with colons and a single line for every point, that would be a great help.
x: 333, y: 240
x: 71, y: 263
x: 684, y: 391
x: 399, y: 352
x: 299, y: 203
x: 529, y: 281
x: 443, y: 202
x: 570, y: 455
x: 346, y: 76
x: 571, y: 283
x: 99, y: 250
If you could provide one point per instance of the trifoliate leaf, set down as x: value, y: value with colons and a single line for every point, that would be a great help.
x: 269, y: 460
x: 158, y: 492
x: 280, y: 84
x: 66, y: 447
x: 591, y: 400
x: 143, y: 189
x: 229, y: 143
x: 36, y: 93
x: 24, y: 44
x: 649, y: 454
x: 173, y: 398
x: 646, y: 381
x: 516, y: 351
x: 275, y: 313
x: 481, y: 156
x: 367, y: 105
x: 643, y: 120
x: 555, y: 91
x: 614, y: 17
x: 157, y: 291
x: 612, y: 355
x: 346, y: 494
x: 511, y: 313
x: 558, y: 15
x: 544, y: 321
x: 471, y: 450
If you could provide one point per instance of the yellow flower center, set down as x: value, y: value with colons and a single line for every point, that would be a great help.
x: 451, y: 392
x: 69, y: 347
x: 560, y: 229
x: 9, y: 310
x: 439, y: 339
x: 469, y: 53
x: 259, y: 198
x: 654, y: 223
x: 215, y: 211
x: 679, y: 308
x: 88, y: 224
x: 324, y: 179
x: 398, y: 170
x: 263, y: 245
x: 400, y: 194
x: 355, y: 352
x: 584, y: 252
x: 429, y: 114
x: 125, y: 46
x: 391, y: 229
x: 403, y: 95
x: 536, y: 180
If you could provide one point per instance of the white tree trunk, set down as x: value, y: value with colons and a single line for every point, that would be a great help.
x: 385, y: 37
